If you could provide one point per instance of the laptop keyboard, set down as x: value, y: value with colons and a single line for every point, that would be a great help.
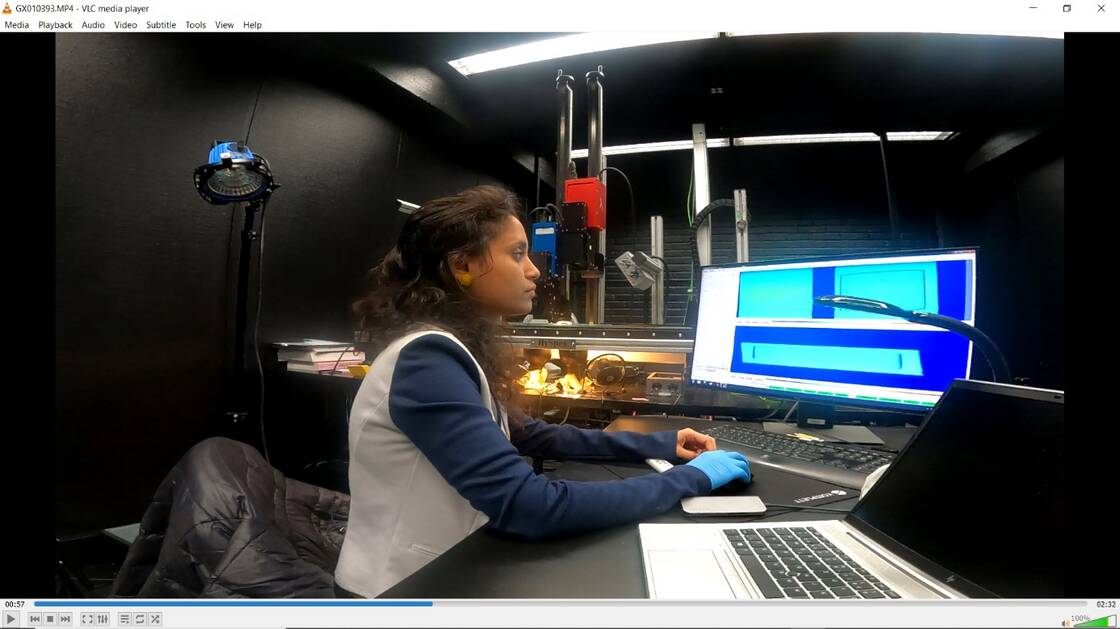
x: 799, y: 563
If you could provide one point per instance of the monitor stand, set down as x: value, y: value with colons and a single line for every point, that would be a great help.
x: 819, y: 420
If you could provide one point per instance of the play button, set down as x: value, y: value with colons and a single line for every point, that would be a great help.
x: 11, y: 620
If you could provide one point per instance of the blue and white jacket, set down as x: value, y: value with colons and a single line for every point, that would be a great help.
x: 433, y: 458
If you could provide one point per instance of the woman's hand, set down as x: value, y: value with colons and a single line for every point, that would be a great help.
x: 691, y: 443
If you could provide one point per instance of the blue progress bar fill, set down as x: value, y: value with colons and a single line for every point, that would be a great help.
x: 898, y: 362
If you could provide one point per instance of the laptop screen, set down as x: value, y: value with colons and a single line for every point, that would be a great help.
x: 977, y: 494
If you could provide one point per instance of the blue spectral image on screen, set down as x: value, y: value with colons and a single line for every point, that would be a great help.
x: 778, y: 294
x: 772, y: 337
x: 906, y: 362
x: 908, y: 286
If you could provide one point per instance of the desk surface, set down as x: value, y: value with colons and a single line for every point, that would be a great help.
x: 605, y: 563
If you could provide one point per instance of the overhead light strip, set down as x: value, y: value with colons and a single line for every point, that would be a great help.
x: 566, y: 46
x: 771, y: 140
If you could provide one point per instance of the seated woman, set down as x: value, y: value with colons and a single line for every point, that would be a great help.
x: 435, y: 447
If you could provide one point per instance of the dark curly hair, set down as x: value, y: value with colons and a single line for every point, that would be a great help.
x: 413, y: 285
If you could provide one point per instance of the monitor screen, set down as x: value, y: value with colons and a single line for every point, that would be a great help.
x: 759, y: 331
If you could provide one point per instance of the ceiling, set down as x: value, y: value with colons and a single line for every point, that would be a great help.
x: 770, y: 84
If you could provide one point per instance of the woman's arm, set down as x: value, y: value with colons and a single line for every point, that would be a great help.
x: 537, y: 438
x: 434, y: 399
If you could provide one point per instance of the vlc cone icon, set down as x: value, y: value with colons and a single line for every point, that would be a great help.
x: 7, y: 9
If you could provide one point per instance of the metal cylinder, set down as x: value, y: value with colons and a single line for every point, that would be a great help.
x: 595, y: 123
x: 657, y: 250
x: 702, y: 193
x: 563, y: 131
x: 742, y: 225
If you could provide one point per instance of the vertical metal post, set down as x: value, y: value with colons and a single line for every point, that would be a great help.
x: 563, y: 151
x: 568, y: 284
x: 595, y: 123
x: 702, y: 194
x: 596, y: 288
x: 244, y: 264
x: 742, y: 227
x: 563, y: 131
x: 600, y: 284
x: 657, y: 249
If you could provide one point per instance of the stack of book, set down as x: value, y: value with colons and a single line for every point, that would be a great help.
x: 320, y: 357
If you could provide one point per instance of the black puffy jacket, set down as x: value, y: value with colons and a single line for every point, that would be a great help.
x: 224, y: 523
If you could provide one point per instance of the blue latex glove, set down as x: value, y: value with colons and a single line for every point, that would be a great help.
x: 722, y: 467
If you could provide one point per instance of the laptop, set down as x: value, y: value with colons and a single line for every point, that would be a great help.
x: 971, y: 508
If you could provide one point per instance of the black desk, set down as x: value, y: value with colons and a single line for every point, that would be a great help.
x: 605, y: 563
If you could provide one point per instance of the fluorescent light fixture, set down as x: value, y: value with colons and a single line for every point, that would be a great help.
x: 653, y: 147
x: 811, y: 138
x: 406, y: 208
x: 916, y: 136
x: 818, y: 138
x: 566, y: 46
x: 768, y: 140
x: 584, y: 43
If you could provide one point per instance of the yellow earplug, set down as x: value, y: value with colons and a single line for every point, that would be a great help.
x: 465, y: 279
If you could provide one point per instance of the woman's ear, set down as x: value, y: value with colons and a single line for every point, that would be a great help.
x: 458, y: 264
x: 460, y: 269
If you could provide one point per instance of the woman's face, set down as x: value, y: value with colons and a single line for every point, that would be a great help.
x: 503, y: 281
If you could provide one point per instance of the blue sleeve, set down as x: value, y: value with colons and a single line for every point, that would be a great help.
x: 435, y: 400
x: 537, y: 438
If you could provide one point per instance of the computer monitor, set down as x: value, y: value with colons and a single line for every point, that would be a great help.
x: 759, y: 331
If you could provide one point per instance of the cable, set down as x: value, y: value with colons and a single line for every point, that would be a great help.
x: 587, y: 367
x: 776, y: 409
x: 565, y: 420
x: 256, y: 331
x: 602, y: 387
x: 684, y: 384
x: 537, y: 209
x: 781, y: 510
x: 664, y: 269
x: 229, y: 264
x: 633, y: 212
x: 674, y: 404
x: 688, y: 201
x: 701, y: 216
x: 791, y: 410
x: 801, y: 508
x: 253, y: 115
x: 334, y: 370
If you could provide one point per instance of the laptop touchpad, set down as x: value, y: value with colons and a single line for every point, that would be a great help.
x: 689, y: 574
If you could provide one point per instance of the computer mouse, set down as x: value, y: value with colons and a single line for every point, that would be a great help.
x: 734, y: 488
